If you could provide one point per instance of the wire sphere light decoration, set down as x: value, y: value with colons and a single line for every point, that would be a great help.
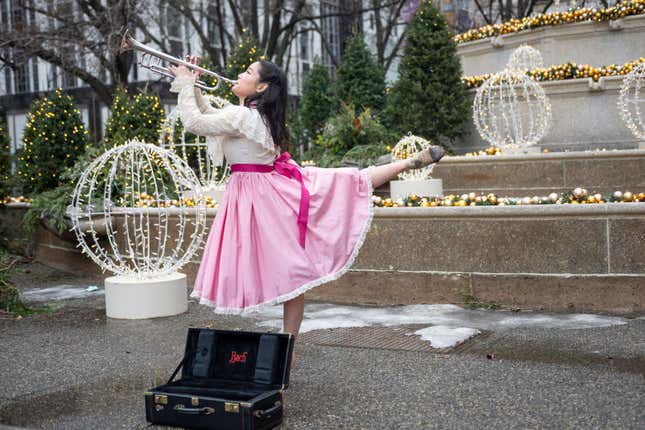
x: 631, y: 101
x: 408, y: 147
x: 525, y: 58
x: 511, y: 110
x: 136, y: 193
x: 194, y: 149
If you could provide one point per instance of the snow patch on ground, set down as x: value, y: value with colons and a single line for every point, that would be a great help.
x: 59, y: 292
x: 441, y: 336
x: 451, y: 324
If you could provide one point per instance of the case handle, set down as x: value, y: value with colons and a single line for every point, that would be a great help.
x: 267, y: 413
x: 194, y: 411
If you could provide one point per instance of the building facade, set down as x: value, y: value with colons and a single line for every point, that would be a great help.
x: 23, y: 78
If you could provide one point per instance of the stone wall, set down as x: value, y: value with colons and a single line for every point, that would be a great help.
x: 593, y: 43
x: 584, y: 257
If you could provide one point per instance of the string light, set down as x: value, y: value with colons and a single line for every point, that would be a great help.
x: 619, y: 10
x: 408, y: 147
x: 631, y: 101
x: 511, y: 110
x: 111, y: 197
x: 194, y: 151
x: 525, y: 58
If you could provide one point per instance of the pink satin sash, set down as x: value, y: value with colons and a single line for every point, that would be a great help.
x: 283, y: 167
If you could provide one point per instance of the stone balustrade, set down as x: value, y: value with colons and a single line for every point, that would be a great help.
x: 585, y: 116
x: 593, y: 43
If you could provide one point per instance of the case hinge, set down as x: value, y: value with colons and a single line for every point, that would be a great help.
x: 232, y: 408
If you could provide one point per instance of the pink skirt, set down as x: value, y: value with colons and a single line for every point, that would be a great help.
x: 253, y: 257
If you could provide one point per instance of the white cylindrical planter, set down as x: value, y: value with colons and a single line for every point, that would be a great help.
x: 425, y: 187
x: 131, y: 298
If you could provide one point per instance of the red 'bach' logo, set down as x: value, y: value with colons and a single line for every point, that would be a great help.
x: 237, y: 358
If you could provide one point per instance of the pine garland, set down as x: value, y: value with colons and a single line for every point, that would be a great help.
x: 620, y: 10
x: 565, y: 71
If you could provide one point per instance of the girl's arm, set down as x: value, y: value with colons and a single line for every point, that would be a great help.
x: 216, y: 122
x: 202, y: 103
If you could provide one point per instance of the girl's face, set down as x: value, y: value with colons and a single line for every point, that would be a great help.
x: 248, y: 82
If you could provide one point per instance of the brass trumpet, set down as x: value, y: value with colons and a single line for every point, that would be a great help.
x: 152, y: 59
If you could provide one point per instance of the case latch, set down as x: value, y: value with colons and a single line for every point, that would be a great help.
x: 232, y: 407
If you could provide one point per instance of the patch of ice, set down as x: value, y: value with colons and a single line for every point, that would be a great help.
x: 319, y: 316
x: 441, y: 336
x: 58, y: 292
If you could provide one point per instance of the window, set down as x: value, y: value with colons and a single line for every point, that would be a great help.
x: 173, y: 29
x: 304, y: 46
x: 18, y: 16
x: 69, y: 80
x: 21, y: 76
x: 34, y: 73
x: 212, y: 25
x: 330, y: 31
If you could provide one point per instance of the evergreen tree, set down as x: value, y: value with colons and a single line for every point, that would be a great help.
x: 241, y: 57
x: 429, y: 98
x: 318, y: 101
x: 53, y: 139
x: 361, y: 80
x: 140, y: 116
x: 5, y: 164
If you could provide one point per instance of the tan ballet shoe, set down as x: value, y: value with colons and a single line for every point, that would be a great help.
x: 431, y: 155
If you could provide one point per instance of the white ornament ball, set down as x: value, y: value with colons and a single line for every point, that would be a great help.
x: 525, y: 58
x: 135, y: 193
x: 510, y: 109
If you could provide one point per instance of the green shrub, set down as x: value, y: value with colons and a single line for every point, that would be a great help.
x: 141, y: 117
x: 429, y: 99
x: 318, y: 101
x: 53, y: 139
x: 6, y: 183
x: 361, y: 80
x: 347, y: 130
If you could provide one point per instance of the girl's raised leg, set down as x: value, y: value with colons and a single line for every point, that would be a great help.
x: 384, y: 173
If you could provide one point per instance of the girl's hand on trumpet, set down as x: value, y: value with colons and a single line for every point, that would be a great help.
x: 183, y: 70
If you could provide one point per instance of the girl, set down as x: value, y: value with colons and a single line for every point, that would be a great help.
x: 280, y: 230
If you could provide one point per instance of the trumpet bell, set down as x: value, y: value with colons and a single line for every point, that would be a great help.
x: 128, y: 43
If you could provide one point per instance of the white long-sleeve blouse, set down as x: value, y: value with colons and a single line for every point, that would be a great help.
x: 235, y: 132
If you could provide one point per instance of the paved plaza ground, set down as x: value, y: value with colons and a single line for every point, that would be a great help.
x: 73, y: 368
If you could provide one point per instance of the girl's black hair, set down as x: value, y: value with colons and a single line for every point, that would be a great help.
x: 272, y: 102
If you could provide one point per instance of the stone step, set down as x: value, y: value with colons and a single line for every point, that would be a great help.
x: 540, y: 174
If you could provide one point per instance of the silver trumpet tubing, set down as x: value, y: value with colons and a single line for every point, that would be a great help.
x: 153, y: 59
